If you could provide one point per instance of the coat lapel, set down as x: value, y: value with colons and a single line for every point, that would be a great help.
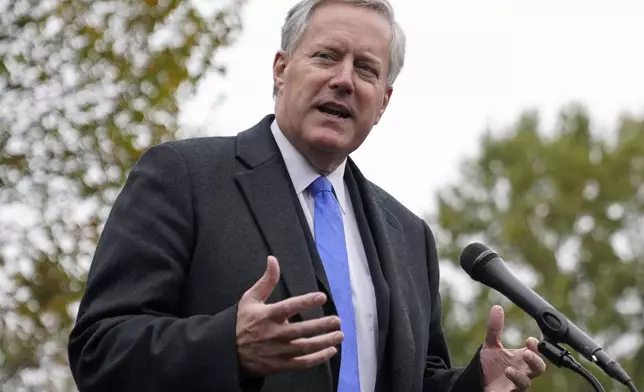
x: 379, y: 283
x: 390, y: 245
x: 269, y: 192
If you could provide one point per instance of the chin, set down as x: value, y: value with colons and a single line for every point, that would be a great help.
x: 328, y: 139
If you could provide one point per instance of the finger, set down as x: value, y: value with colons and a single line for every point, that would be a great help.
x: 310, y: 360
x: 305, y: 346
x: 494, y: 327
x: 532, y: 344
x: 535, y: 363
x: 263, y: 288
x: 520, y: 380
x: 283, y: 310
x: 308, y: 328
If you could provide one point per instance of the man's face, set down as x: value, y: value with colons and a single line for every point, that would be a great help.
x: 333, y: 89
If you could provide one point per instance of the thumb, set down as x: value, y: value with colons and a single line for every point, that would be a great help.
x: 494, y: 327
x: 263, y: 288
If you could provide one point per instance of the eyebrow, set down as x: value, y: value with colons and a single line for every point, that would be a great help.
x: 335, y: 46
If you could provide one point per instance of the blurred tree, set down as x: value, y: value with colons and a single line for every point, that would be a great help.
x: 85, y: 88
x: 566, y: 211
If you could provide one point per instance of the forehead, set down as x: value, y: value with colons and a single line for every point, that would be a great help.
x: 351, y: 25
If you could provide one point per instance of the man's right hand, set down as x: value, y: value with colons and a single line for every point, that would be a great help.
x: 268, y: 343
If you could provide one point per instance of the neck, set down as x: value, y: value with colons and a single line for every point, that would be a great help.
x: 324, y: 167
x: 324, y: 162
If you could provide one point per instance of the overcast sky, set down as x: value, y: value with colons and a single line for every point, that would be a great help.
x: 470, y: 65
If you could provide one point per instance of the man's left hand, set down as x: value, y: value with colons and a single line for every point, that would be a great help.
x: 508, y: 370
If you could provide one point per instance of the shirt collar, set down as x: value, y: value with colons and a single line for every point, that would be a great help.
x: 302, y: 172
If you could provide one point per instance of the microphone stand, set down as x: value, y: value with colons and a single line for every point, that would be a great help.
x: 562, y: 358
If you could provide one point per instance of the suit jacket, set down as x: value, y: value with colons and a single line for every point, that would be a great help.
x: 189, y: 234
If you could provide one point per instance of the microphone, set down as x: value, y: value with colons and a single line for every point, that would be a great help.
x: 485, y: 266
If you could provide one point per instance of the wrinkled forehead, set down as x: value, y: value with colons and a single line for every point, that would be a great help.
x: 349, y: 25
x: 383, y: 8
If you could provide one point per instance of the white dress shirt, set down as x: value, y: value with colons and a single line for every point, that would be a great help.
x: 362, y: 291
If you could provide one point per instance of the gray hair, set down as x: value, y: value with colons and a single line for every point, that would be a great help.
x: 298, y: 17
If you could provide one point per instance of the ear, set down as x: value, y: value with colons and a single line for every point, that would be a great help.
x: 385, y: 102
x: 280, y: 62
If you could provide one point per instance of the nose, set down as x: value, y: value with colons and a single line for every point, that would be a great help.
x: 342, y: 80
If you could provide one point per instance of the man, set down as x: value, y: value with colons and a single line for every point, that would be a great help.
x: 267, y: 261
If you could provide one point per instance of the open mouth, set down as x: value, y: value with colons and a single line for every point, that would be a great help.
x: 334, y: 110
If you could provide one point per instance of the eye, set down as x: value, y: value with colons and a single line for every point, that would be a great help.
x: 366, y: 69
x: 325, y: 55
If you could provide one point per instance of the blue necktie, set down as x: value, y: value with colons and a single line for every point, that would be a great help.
x: 331, y: 245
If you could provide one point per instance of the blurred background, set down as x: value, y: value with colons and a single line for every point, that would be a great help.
x: 518, y: 124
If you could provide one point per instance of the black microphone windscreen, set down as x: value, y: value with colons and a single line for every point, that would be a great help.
x: 471, y: 254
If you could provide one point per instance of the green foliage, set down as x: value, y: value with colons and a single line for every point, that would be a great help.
x: 565, y: 209
x: 85, y: 87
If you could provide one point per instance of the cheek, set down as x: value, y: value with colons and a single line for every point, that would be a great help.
x: 370, y: 100
x: 370, y: 113
x: 299, y: 94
